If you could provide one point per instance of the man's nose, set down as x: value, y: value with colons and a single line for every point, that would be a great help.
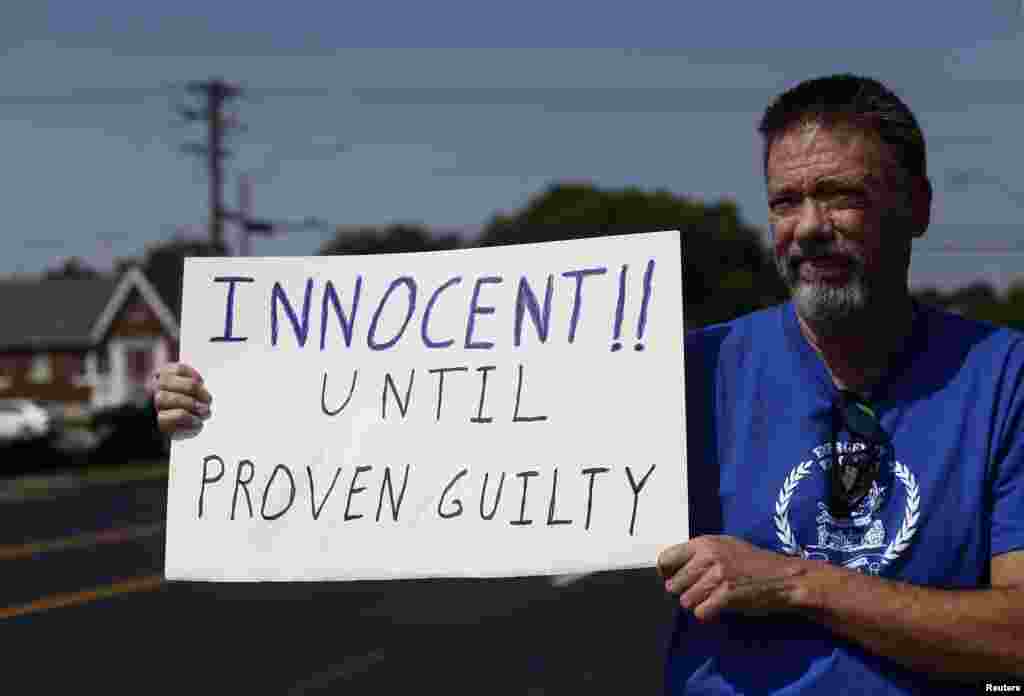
x: 813, y: 221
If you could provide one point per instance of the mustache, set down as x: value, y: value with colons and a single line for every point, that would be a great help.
x: 815, y: 250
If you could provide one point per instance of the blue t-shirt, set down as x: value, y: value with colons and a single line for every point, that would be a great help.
x: 950, y: 494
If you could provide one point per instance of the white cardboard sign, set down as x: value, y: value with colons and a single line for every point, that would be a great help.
x: 491, y: 412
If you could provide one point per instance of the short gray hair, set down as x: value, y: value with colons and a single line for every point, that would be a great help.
x: 861, y: 102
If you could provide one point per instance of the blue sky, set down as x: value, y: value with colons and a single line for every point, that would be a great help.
x: 444, y: 113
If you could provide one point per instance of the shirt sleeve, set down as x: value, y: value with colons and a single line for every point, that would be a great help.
x: 1008, y: 479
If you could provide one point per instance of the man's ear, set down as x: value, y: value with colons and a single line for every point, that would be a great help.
x: 920, y: 205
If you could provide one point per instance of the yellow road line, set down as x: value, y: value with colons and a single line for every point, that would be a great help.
x: 15, y: 552
x: 60, y: 601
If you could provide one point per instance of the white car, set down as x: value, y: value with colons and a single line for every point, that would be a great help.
x: 21, y: 419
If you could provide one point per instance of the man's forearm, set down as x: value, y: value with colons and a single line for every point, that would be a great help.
x: 967, y: 633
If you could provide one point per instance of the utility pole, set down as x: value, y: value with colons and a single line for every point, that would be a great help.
x: 244, y: 212
x: 215, y: 93
x: 247, y: 223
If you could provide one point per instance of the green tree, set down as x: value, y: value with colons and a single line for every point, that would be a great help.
x: 73, y: 267
x: 164, y: 266
x: 387, y: 240
x: 980, y: 301
x: 727, y: 271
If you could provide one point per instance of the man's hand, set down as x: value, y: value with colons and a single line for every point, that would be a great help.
x: 182, y: 400
x: 712, y: 573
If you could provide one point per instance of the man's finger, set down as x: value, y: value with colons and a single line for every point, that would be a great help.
x: 178, y: 420
x: 701, y: 587
x: 691, y: 572
x: 179, y: 370
x: 186, y: 370
x: 716, y: 601
x: 167, y: 400
x: 185, y: 385
x: 673, y: 558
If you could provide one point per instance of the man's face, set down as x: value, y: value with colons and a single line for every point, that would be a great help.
x: 841, y: 214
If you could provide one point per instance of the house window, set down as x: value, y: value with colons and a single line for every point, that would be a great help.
x: 74, y: 365
x: 139, y: 364
x: 40, y: 370
x: 137, y: 313
x: 8, y: 367
x: 103, y: 361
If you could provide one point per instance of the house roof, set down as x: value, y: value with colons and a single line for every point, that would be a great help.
x: 69, y: 312
x: 52, y: 312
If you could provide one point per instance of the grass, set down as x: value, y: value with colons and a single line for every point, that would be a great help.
x: 102, y: 475
x: 129, y: 471
x: 77, y: 421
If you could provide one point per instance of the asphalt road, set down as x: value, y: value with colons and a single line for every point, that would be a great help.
x: 84, y: 607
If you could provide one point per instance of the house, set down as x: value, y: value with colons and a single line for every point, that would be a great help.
x: 83, y: 343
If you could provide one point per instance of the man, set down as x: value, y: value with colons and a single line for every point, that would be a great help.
x: 868, y: 453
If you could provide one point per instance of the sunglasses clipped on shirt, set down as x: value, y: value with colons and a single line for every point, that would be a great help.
x: 854, y: 472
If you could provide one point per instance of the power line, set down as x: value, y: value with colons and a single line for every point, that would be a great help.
x: 259, y: 226
x: 128, y: 95
x: 88, y: 96
x: 972, y: 251
x: 961, y: 179
x: 310, y: 151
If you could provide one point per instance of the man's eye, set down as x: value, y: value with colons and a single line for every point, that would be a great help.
x: 781, y: 205
x: 847, y: 200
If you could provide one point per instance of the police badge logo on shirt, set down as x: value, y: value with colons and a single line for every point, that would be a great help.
x: 850, y: 526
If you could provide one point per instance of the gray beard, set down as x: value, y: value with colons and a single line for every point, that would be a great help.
x: 827, y: 307
x: 830, y: 305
